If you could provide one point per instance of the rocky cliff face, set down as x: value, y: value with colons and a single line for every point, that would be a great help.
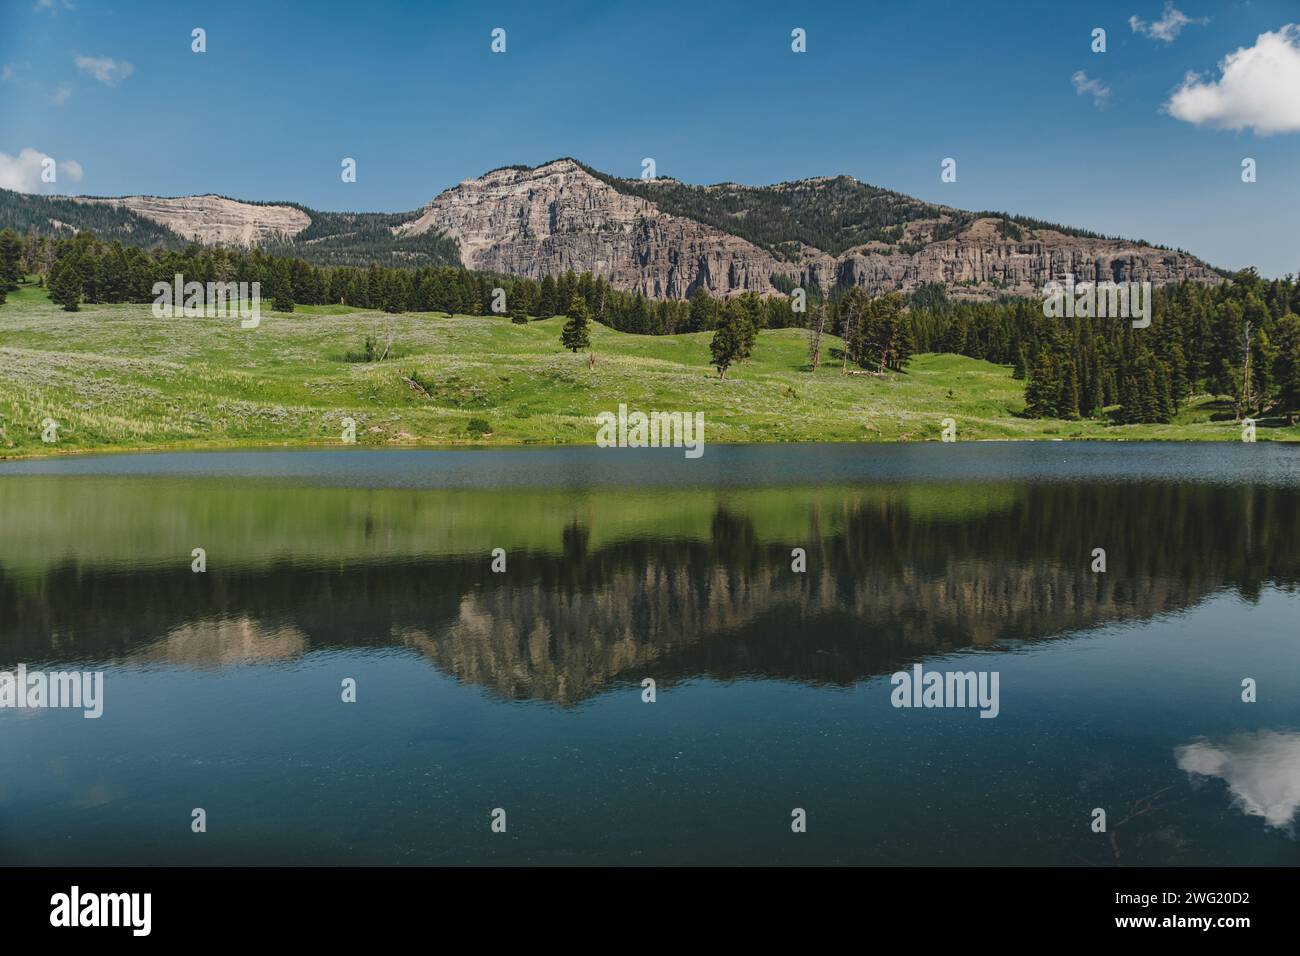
x: 543, y: 221
x: 978, y: 263
x: 214, y: 220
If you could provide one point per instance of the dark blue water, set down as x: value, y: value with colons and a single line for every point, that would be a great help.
x: 522, y: 690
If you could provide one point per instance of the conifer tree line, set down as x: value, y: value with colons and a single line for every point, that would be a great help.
x: 1239, y: 340
x: 85, y: 269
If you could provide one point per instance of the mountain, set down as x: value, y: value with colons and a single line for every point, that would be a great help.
x: 660, y: 237
x: 329, y: 238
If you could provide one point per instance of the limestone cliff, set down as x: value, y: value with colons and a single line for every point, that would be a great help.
x: 544, y: 221
x: 215, y: 220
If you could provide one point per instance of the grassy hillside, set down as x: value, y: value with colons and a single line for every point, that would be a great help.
x: 114, y: 377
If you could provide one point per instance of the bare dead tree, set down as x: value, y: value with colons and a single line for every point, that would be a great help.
x: 815, y: 336
x: 389, y: 335
x: 852, y: 318
x: 1247, y: 401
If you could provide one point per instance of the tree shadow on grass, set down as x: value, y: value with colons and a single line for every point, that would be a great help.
x: 1221, y: 410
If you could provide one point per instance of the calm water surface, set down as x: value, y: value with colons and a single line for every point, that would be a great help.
x: 522, y: 690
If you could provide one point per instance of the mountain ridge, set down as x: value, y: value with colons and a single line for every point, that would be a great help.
x: 660, y: 237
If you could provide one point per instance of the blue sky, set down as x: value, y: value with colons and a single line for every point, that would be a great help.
x: 711, y: 91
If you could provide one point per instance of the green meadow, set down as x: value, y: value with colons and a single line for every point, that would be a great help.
x: 114, y: 378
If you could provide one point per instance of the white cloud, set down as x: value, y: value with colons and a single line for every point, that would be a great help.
x: 6, y: 73
x: 53, y: 6
x: 60, y: 96
x: 1167, y: 28
x: 23, y: 172
x: 1258, y: 87
x: 108, y: 71
x: 1262, y: 771
x: 1099, y: 91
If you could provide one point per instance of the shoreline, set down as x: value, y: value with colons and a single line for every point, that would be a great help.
x: 225, y: 447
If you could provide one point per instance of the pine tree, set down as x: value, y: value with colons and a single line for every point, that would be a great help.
x: 1286, y: 364
x: 566, y: 287
x: 575, y: 335
x: 394, y: 300
x: 1043, y: 389
x: 84, y: 262
x: 1179, y: 386
x: 424, y: 292
x: 734, y: 338
x: 548, y: 303
x: 11, y: 254
x: 883, y: 338
x: 703, y: 316
x: 278, y: 287
x: 1067, y: 402
x: 1021, y: 364
x: 1092, y: 403
x: 1225, y: 349
x: 374, y: 287
x: 1165, y: 407
x: 65, y: 285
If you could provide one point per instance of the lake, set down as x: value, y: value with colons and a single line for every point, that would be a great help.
x: 522, y: 690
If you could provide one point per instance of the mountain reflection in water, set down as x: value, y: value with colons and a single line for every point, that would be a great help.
x: 604, y: 589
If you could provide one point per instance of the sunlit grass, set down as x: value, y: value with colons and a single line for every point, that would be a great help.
x: 116, y: 378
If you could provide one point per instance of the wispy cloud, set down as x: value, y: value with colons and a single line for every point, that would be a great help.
x: 1166, y: 29
x: 108, y: 71
x: 22, y: 173
x: 1083, y: 86
x: 53, y: 6
x: 60, y: 95
x: 1258, y: 88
